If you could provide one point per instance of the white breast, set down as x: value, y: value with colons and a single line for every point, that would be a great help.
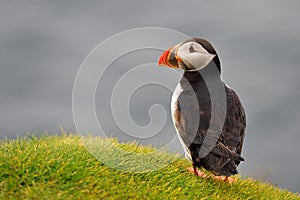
x: 176, y: 93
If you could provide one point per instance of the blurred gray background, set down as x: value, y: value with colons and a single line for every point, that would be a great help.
x: 43, y: 43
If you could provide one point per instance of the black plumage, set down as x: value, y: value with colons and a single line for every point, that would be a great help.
x: 220, y: 161
x: 192, y: 117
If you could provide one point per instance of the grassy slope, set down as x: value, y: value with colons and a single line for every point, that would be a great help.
x: 59, y: 167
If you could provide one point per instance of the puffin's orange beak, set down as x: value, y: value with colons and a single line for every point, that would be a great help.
x: 168, y: 58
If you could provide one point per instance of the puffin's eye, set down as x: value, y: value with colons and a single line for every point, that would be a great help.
x: 191, y: 49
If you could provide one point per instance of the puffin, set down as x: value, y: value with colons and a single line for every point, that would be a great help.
x: 192, y: 111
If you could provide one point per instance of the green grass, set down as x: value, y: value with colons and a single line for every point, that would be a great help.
x: 60, y: 167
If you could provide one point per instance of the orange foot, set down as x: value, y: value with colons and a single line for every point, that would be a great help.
x: 226, y: 179
x: 197, y: 172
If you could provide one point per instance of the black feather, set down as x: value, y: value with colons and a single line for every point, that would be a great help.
x: 225, y: 156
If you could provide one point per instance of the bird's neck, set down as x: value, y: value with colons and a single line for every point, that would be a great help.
x: 202, y: 75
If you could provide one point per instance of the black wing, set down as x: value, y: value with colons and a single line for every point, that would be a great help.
x: 234, y: 127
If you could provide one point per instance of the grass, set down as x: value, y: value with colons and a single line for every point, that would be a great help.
x: 60, y: 167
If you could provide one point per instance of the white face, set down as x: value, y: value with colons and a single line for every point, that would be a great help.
x: 194, y: 56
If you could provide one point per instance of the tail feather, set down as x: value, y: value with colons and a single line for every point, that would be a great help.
x: 223, y: 151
